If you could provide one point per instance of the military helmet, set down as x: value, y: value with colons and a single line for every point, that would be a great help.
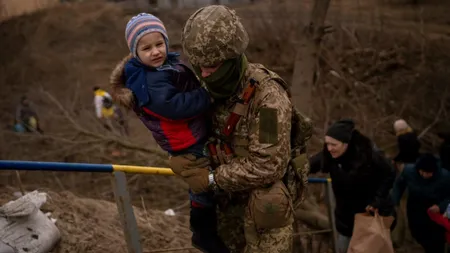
x: 212, y: 35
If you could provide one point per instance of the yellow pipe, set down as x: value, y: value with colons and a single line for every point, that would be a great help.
x: 143, y: 170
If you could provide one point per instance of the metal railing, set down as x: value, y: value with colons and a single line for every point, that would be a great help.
x: 122, y: 196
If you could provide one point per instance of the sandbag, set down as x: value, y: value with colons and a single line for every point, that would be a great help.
x: 24, y: 228
x: 371, y: 234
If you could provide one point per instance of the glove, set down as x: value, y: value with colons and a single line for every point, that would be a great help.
x: 181, y: 163
x: 197, y: 179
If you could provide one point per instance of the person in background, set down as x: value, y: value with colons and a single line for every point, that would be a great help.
x: 428, y: 192
x: 407, y: 141
x: 103, y: 105
x: 107, y: 112
x: 361, y: 176
x: 26, y: 119
x: 444, y: 221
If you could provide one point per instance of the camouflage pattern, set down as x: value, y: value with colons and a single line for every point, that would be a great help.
x: 262, y: 156
x: 255, y: 165
x: 238, y: 232
x: 213, y: 34
x: 264, y: 163
x: 298, y: 171
x: 302, y: 130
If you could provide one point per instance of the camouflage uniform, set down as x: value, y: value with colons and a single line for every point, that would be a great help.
x: 261, y: 140
x: 259, y: 161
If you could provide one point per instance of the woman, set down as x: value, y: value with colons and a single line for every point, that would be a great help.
x: 407, y: 141
x: 361, y: 176
x: 428, y: 192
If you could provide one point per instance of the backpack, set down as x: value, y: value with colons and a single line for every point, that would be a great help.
x: 301, y: 132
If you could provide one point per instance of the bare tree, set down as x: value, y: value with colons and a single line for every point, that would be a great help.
x: 305, y: 65
x: 303, y: 79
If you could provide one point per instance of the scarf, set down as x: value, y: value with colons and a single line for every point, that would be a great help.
x: 224, y: 82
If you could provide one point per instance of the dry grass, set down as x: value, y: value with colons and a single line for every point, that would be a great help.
x: 92, y: 226
x: 372, y: 71
x: 12, y: 8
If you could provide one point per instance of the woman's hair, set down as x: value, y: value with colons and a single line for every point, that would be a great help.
x: 359, y: 151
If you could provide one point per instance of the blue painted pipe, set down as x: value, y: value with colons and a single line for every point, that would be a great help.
x: 91, y: 167
x: 313, y: 180
x: 54, y: 166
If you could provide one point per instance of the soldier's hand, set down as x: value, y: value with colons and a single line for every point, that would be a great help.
x: 197, y: 179
x: 181, y: 163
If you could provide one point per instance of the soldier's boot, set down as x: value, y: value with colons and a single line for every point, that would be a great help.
x: 204, y: 230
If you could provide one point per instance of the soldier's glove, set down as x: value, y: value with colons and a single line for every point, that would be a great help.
x: 181, y: 163
x: 197, y: 179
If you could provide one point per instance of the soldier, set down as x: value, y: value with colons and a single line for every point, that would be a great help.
x: 259, y: 163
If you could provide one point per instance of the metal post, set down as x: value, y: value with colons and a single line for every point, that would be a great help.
x: 331, y: 214
x: 126, y: 213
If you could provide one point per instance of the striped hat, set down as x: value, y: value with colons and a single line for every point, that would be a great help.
x: 140, y: 25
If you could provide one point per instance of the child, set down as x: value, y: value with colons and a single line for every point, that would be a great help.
x: 168, y: 99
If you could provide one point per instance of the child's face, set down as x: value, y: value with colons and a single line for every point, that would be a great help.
x: 151, y: 49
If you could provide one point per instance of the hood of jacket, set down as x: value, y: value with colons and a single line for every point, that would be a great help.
x: 123, y: 95
x: 119, y: 92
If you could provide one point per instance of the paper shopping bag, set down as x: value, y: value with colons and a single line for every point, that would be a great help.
x: 371, y: 234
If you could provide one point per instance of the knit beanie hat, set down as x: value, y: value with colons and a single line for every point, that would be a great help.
x: 140, y: 25
x: 427, y: 162
x: 341, y: 130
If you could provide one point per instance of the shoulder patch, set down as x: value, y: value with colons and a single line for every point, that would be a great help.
x: 268, y: 126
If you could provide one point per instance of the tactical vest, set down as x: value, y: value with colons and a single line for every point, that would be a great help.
x: 296, y: 177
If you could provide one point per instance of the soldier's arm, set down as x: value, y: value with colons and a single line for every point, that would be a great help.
x: 269, y: 143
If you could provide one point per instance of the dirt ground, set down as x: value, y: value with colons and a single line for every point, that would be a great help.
x: 383, y: 61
